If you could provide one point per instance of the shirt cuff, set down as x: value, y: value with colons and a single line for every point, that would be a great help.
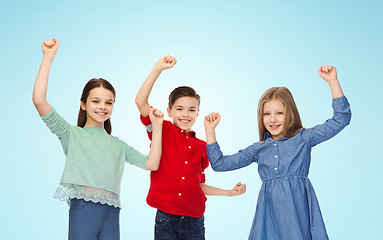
x: 340, y: 104
x: 145, y: 120
x: 212, y: 144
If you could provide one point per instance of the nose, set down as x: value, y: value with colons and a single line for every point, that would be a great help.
x: 273, y: 118
x: 184, y: 112
x: 102, y: 105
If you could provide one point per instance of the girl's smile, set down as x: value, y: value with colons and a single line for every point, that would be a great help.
x: 273, y: 117
x: 98, y: 107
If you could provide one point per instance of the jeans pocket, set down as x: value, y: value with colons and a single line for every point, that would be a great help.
x: 161, y: 218
x: 198, y: 223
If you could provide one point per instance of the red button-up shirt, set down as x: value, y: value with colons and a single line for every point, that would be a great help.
x: 174, y: 187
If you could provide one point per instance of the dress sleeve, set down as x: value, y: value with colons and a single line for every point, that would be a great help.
x: 221, y: 163
x: 56, y: 124
x: 340, y: 119
x: 134, y: 157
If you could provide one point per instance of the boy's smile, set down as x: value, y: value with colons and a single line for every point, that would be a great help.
x: 184, y: 112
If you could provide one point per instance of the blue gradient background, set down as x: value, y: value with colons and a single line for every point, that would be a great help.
x: 230, y: 53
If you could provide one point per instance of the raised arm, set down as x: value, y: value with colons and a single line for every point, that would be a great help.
x: 211, y: 121
x: 328, y: 73
x: 142, y: 97
x: 238, y: 189
x: 157, y: 118
x: 39, y: 97
x: 341, y: 110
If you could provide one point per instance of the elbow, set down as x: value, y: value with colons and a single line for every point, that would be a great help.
x: 151, y: 166
x: 38, y: 102
x: 139, y: 102
x: 216, y: 167
x: 152, y: 169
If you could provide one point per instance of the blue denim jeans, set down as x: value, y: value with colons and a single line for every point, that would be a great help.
x: 93, y: 221
x: 170, y: 227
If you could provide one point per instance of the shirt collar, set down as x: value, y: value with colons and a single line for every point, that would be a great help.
x: 189, y: 134
x: 267, y: 135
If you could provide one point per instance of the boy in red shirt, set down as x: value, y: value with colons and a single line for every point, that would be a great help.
x: 177, y: 188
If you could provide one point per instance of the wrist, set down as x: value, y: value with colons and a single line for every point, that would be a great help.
x: 157, y: 124
x: 209, y: 129
x: 333, y: 81
x: 157, y: 68
x: 49, y: 57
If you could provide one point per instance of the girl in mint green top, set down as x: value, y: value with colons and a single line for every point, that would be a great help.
x: 95, y: 159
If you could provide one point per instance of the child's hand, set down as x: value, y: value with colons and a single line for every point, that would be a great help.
x: 50, y: 47
x: 238, y: 189
x: 166, y: 62
x: 328, y: 73
x: 212, y: 120
x: 156, y: 116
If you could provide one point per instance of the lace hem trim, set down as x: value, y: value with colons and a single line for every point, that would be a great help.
x: 66, y: 192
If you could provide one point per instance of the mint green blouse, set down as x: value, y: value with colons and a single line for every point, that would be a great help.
x: 95, y: 161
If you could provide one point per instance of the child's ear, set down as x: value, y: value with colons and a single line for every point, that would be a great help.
x: 169, y: 112
x: 83, y: 107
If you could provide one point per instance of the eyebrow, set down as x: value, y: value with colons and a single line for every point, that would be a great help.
x: 110, y: 99
x: 185, y: 106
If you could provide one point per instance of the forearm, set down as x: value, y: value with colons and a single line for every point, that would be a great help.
x: 210, y: 135
x: 336, y: 89
x: 144, y: 92
x: 209, y: 190
x: 41, y: 86
x: 155, y: 152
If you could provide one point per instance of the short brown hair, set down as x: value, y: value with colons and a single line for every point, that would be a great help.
x: 292, y: 120
x: 183, y: 91
x: 91, y: 84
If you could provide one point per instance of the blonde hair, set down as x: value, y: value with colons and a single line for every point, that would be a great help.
x: 292, y: 120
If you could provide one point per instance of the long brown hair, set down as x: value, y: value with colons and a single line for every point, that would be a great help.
x: 91, y: 84
x: 292, y: 121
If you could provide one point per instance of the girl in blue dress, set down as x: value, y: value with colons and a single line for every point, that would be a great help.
x: 287, y: 206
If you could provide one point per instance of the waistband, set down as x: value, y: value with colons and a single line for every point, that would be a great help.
x: 178, y: 217
x: 304, y: 175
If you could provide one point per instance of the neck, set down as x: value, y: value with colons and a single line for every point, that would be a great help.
x: 93, y: 124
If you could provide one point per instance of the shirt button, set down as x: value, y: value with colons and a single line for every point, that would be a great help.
x: 189, y: 147
x: 187, y: 137
x: 179, y: 194
x: 183, y: 178
x: 186, y: 162
x: 276, y: 156
x: 275, y: 169
x: 275, y: 144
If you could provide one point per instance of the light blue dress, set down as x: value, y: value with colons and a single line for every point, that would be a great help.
x: 287, y: 206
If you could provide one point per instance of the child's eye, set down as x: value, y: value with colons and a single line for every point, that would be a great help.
x: 95, y: 101
x: 192, y: 110
x: 178, y: 109
x: 280, y: 113
x: 110, y: 103
x: 266, y: 114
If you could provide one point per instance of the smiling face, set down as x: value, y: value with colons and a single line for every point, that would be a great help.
x: 184, y: 112
x: 274, y: 117
x: 98, y: 107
